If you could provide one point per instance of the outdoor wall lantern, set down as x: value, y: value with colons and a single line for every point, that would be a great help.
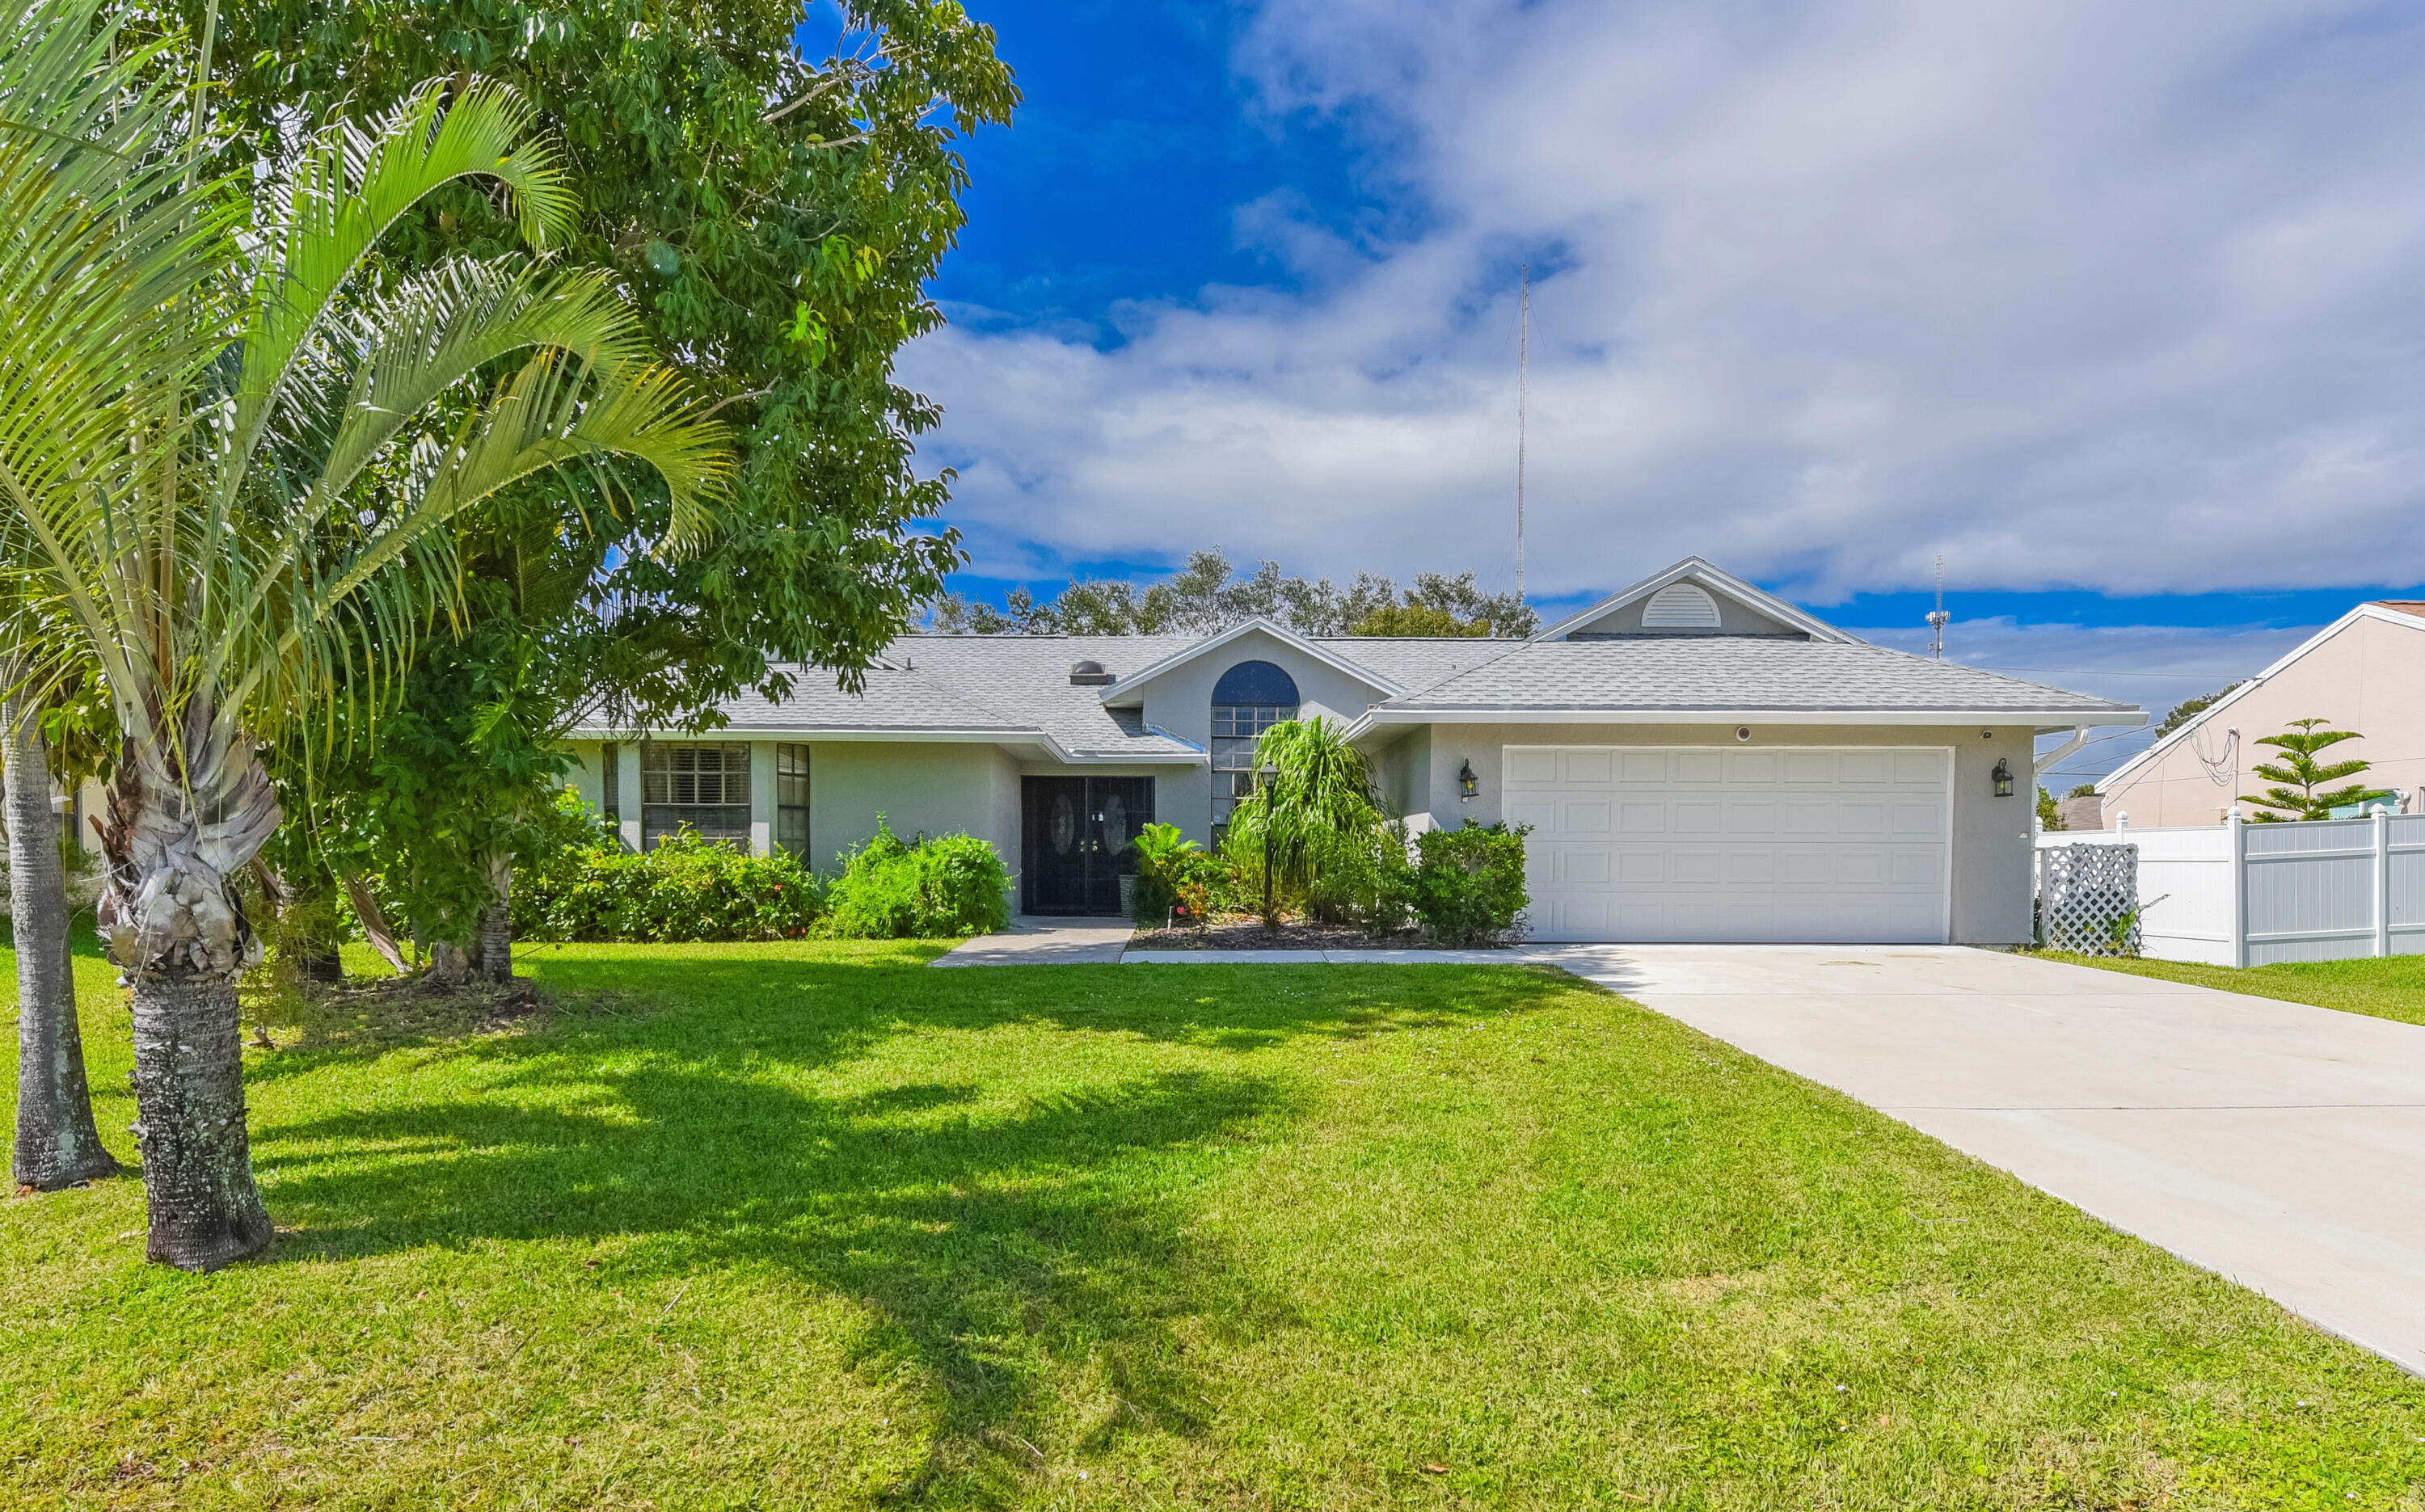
x: 2004, y: 775
x: 1466, y: 784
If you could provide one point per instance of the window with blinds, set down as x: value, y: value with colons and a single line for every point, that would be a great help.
x: 703, y: 786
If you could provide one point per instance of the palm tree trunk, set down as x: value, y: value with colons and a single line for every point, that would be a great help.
x: 496, y: 937
x: 58, y: 1144
x: 184, y: 819
x: 205, y: 1212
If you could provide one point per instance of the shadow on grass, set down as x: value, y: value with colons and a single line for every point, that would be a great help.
x: 1004, y: 1242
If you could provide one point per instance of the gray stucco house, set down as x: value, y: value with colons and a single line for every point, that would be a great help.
x: 1699, y: 761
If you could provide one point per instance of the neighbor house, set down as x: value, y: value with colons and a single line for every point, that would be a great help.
x: 2364, y: 672
x: 1697, y: 760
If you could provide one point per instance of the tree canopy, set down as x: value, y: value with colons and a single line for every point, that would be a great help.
x: 1209, y: 594
x: 2189, y: 709
x: 771, y: 220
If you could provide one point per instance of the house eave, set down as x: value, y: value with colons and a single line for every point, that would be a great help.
x: 1054, y: 750
x: 1694, y: 714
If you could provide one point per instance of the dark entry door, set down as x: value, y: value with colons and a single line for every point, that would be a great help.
x: 1075, y: 845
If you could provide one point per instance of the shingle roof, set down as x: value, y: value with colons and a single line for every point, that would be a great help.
x: 1010, y: 688
x: 1030, y: 674
x: 1728, y: 673
x: 895, y: 700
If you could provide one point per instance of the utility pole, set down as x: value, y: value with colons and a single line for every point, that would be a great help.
x: 1938, y: 617
x: 1524, y: 354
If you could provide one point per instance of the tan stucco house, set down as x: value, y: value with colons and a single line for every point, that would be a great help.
x: 2364, y: 672
x: 1698, y: 760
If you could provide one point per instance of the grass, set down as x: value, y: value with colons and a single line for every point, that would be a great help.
x: 2389, y: 987
x: 808, y: 1225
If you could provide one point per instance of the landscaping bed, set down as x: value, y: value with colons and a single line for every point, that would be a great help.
x: 805, y: 1224
x: 1249, y: 933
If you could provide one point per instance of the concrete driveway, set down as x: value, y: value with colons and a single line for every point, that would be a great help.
x: 2279, y: 1144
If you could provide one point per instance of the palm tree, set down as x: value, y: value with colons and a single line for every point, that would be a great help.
x: 232, y: 454
x: 58, y: 1143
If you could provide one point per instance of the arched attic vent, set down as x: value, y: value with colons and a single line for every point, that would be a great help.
x: 1681, y: 606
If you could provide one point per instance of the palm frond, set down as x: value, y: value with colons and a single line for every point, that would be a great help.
x: 347, y: 186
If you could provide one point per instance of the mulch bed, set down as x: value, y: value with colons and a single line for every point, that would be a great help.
x: 1292, y: 935
x: 374, y: 1012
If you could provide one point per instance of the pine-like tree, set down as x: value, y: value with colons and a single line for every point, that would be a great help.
x: 2298, y: 776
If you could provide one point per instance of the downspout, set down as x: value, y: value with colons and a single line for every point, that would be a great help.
x: 2079, y: 738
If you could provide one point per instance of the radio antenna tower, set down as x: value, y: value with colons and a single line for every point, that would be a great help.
x: 1524, y: 354
x: 1938, y: 617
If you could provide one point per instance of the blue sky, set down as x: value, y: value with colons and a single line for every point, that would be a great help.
x: 2121, y: 312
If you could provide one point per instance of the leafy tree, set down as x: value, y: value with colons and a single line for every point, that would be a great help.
x: 233, y: 458
x: 2189, y: 709
x: 2298, y: 776
x: 1208, y: 595
x: 2050, y: 817
x: 773, y: 223
x: 2082, y: 789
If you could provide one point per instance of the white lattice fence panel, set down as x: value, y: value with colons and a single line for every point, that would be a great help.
x: 2088, y: 899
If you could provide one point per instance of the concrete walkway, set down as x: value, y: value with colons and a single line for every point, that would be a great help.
x: 1033, y: 940
x: 2279, y: 1144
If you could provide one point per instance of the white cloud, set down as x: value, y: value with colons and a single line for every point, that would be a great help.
x: 2130, y: 298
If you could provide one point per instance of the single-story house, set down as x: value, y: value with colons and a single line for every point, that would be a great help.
x: 1697, y: 759
x: 2364, y: 672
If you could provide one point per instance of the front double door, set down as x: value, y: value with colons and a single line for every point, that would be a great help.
x: 1076, y: 840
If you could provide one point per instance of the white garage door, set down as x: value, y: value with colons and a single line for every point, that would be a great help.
x: 1695, y: 843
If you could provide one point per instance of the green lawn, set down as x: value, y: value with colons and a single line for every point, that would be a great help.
x: 808, y: 1225
x: 2385, y: 987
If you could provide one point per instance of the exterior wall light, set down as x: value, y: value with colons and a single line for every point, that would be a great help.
x: 1465, y: 783
x: 2004, y: 775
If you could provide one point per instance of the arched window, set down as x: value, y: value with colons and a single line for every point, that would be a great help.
x: 1250, y: 699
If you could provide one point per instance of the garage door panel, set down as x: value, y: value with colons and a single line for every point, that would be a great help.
x: 1532, y: 765
x: 1751, y: 819
x: 1700, y: 766
x: 1751, y: 766
x: 1861, y: 767
x: 1541, y: 813
x: 1923, y: 767
x: 1691, y: 866
x: 1860, y: 819
x: 1582, y: 866
x: 1925, y: 819
x: 1709, y: 843
x: 1698, y: 818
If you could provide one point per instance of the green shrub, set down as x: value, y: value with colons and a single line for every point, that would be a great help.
x: 684, y: 889
x: 893, y: 889
x: 1468, y: 883
x: 1167, y: 861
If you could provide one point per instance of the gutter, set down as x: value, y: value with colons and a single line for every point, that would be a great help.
x: 1846, y: 714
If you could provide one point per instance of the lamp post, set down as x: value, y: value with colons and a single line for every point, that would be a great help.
x: 1270, y: 780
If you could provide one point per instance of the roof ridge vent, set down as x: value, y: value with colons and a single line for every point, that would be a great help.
x: 1681, y: 606
x: 1088, y: 674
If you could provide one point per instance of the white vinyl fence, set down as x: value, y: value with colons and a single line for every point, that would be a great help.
x: 2251, y: 895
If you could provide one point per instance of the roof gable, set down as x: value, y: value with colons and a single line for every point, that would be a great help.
x: 1125, y: 690
x: 2404, y: 614
x: 1667, y: 604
